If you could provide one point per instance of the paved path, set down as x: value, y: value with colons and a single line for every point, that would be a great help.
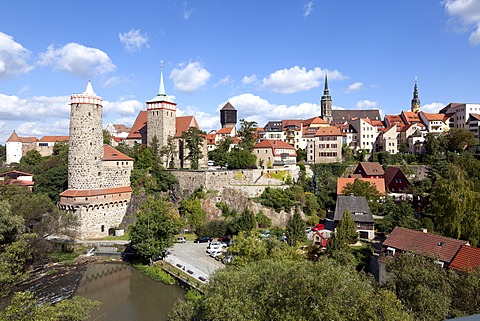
x: 193, y: 257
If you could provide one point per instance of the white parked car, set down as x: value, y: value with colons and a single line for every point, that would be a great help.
x: 215, y: 253
x: 215, y: 246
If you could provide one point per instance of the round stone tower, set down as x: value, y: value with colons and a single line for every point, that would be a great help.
x: 228, y: 116
x: 161, y: 116
x: 86, y: 141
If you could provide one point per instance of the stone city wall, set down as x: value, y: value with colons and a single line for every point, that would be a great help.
x: 116, y: 173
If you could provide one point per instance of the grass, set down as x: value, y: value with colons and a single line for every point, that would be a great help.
x: 65, y: 257
x: 156, y: 273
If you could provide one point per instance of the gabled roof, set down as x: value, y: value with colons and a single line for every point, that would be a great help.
x: 377, y: 123
x: 314, y: 121
x: 467, y: 259
x: 394, y: 119
x: 474, y: 116
x: 379, y: 183
x: 111, y: 154
x: 15, y: 174
x: 390, y: 174
x: 228, y: 106
x: 14, y: 138
x: 370, y: 168
x: 296, y: 123
x: 210, y: 139
x: 274, y: 145
x: 410, y: 117
x: 355, y: 204
x: 225, y: 130
x: 121, y: 128
x: 433, y: 117
x: 328, y: 131
x: 430, y: 245
x: 139, y: 126
x: 183, y: 123
x: 51, y: 139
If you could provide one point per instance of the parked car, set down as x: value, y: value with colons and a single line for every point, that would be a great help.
x: 215, y: 246
x: 266, y: 234
x: 181, y: 239
x: 216, y: 253
x: 318, y: 227
x: 203, y: 239
x: 227, y: 259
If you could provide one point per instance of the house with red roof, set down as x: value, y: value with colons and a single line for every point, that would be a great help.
x: 387, y: 140
x: 368, y: 170
x: 17, y: 178
x: 378, y: 183
x: 274, y: 154
x: 402, y: 240
x: 326, y: 146
x: 436, y: 124
x: 17, y: 146
x: 467, y: 259
x: 397, y: 183
x: 46, y: 143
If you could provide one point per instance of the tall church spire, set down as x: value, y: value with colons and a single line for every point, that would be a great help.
x: 161, y: 89
x: 415, y: 105
x: 326, y: 103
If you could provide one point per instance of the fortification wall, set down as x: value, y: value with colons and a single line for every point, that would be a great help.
x: 116, y: 173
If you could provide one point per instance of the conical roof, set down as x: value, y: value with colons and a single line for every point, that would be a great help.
x: 228, y: 106
x: 14, y: 138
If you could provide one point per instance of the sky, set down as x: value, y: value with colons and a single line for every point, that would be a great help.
x: 268, y: 58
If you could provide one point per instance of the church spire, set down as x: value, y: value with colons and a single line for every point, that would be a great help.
x: 326, y: 103
x: 161, y: 89
x: 415, y: 105
x: 326, y: 92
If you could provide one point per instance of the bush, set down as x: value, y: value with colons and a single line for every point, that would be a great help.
x: 156, y: 273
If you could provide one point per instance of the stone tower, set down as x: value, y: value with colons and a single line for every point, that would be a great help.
x: 86, y: 141
x: 228, y: 116
x: 326, y: 104
x: 415, y: 105
x: 161, y: 116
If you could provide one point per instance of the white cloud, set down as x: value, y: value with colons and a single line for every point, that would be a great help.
x: 308, y: 9
x: 356, y: 86
x: 468, y: 11
x: 432, y: 108
x: 189, y: 78
x: 113, y: 81
x: 123, y: 108
x: 76, y: 59
x: 41, y: 128
x: 206, y: 121
x: 295, y: 79
x: 133, y: 40
x: 224, y: 81
x: 15, y: 108
x: 13, y: 57
x: 366, y: 104
x: 249, y: 79
x: 187, y: 12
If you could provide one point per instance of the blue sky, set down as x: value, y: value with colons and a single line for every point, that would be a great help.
x: 268, y: 58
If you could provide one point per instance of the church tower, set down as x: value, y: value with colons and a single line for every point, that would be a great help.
x: 228, y: 116
x: 326, y: 104
x: 86, y: 141
x: 161, y: 116
x: 415, y: 105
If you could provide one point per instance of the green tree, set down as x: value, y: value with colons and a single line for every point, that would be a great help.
x: 458, y: 139
x: 169, y: 152
x: 364, y: 188
x: 24, y: 307
x: 220, y: 154
x: 107, y: 137
x: 157, y: 223
x: 11, y: 225
x: 338, y: 246
x: 192, y: 210
x: 301, y: 155
x: 295, y: 229
x: 3, y: 153
x: 154, y: 147
x: 247, y: 134
x: 291, y: 290
x: 241, y: 158
x: 263, y: 221
x: 194, y: 139
x: 31, y: 158
x: 400, y: 214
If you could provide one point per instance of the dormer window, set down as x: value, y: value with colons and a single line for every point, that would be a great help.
x: 390, y: 251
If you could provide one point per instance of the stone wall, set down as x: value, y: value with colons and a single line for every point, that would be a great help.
x: 116, y: 173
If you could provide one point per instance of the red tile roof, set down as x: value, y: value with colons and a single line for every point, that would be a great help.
x: 467, y: 259
x: 183, y: 123
x: 430, y: 245
x: 139, y: 126
x: 314, y: 120
x: 370, y: 168
x: 390, y: 174
x: 379, y: 183
x: 328, y: 131
x: 15, y: 173
x: 410, y: 117
x: 225, y: 131
x: 95, y: 192
x: 433, y: 117
x: 274, y: 145
x: 111, y: 154
x: 54, y: 139
x: 14, y: 138
x: 476, y: 116
x: 394, y: 119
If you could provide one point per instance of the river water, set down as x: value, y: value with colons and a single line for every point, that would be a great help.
x: 126, y: 294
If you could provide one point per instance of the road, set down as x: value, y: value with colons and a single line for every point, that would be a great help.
x: 193, y: 257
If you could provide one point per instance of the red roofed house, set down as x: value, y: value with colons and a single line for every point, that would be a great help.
x: 387, y: 140
x: 292, y: 132
x: 17, y: 178
x: 439, y: 248
x: 274, y: 154
x: 379, y: 183
x: 436, y: 124
x: 397, y: 183
x: 413, y: 136
x: 467, y: 259
x: 326, y: 146
x: 369, y: 170
x: 17, y: 146
x: 46, y: 143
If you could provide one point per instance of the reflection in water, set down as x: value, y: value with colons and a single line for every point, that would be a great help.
x: 126, y: 294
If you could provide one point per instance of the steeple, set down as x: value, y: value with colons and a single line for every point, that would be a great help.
x: 415, y: 105
x: 161, y: 89
x: 326, y: 103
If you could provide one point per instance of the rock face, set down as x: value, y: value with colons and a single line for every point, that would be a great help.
x: 239, y: 201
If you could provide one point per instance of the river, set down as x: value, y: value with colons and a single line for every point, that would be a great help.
x: 126, y: 294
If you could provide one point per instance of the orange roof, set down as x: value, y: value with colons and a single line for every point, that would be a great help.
x: 139, y: 126
x: 297, y: 123
x: 95, y: 192
x: 433, y: 117
x: 15, y: 173
x: 274, y: 145
x: 210, y: 139
x: 314, y: 120
x: 183, y: 123
x: 476, y: 116
x: 14, y: 138
x: 379, y: 183
x: 54, y: 139
x: 394, y: 119
x: 111, y: 154
x: 410, y: 116
x: 467, y: 259
x: 328, y: 131
x: 377, y: 123
x: 225, y: 130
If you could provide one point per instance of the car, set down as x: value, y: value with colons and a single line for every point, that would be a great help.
x: 227, y: 259
x: 216, y: 253
x: 181, y: 239
x: 213, y: 246
x: 211, y: 163
x: 203, y: 239
x: 318, y: 227
x: 266, y: 234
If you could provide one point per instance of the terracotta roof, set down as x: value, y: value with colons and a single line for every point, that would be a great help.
x: 274, y: 145
x: 95, y: 192
x: 15, y: 173
x: 476, y: 116
x: 386, y: 129
x: 430, y: 245
x: 111, y: 154
x: 14, y: 138
x: 394, y: 119
x: 210, y: 139
x: 121, y: 128
x: 355, y: 204
x: 236, y: 140
x: 371, y: 168
x: 226, y: 130
x: 379, y: 183
x: 328, y: 131
x: 54, y: 139
x: 228, y: 106
x: 183, y: 123
x: 410, y: 116
x: 314, y: 121
x: 297, y: 123
x: 377, y: 123
x: 432, y: 117
x: 139, y: 126
x: 467, y: 259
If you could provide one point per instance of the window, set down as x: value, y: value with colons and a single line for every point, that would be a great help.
x: 390, y: 251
